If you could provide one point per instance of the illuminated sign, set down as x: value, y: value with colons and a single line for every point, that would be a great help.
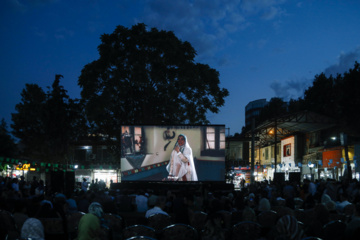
x: 23, y: 166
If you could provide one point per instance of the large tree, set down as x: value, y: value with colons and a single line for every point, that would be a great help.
x: 275, y: 108
x: 147, y: 76
x: 337, y: 97
x: 46, y: 122
x: 7, y: 144
x: 28, y: 124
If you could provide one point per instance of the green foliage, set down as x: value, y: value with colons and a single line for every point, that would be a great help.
x: 147, y: 77
x: 337, y: 97
x: 28, y: 122
x: 7, y: 144
x: 320, y: 97
x: 46, y: 123
x: 274, y: 108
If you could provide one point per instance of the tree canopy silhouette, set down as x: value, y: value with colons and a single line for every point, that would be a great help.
x: 147, y: 77
x: 46, y: 122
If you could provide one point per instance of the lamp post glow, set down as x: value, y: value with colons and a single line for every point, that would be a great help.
x: 311, y: 165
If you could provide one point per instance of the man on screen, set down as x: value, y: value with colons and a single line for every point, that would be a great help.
x: 181, y: 166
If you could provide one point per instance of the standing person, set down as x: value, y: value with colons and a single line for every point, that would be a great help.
x: 84, y: 185
x: 34, y: 185
x: 94, y: 186
x: 181, y: 163
x: 40, y: 190
x: 242, y: 183
x: 15, y: 185
x: 22, y: 184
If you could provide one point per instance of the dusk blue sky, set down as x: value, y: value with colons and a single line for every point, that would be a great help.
x: 261, y: 48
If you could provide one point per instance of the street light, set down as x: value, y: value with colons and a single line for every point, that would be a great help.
x: 311, y: 165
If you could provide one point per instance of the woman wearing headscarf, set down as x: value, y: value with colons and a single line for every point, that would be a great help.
x: 33, y: 229
x: 181, y: 165
x: 287, y: 227
x: 90, y: 223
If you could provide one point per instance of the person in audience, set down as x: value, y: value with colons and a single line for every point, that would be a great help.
x: 152, y: 199
x: 328, y: 203
x: 84, y: 185
x: 20, y: 213
x: 248, y: 214
x: 71, y: 202
x: 353, y: 226
x: 34, y: 185
x: 141, y: 202
x: 287, y: 227
x: 90, y: 223
x: 15, y: 185
x: 32, y: 229
x: 47, y: 210
x: 213, y: 228
x: 340, y: 205
x: 40, y: 189
x: 320, y: 218
x: 264, y: 205
x: 158, y: 208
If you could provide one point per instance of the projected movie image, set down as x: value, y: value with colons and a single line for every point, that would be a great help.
x: 173, y: 153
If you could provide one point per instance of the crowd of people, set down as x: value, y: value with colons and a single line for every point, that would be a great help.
x: 323, y: 200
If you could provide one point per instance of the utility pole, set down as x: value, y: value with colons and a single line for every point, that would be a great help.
x: 275, y: 148
x: 252, y: 177
x: 228, y: 129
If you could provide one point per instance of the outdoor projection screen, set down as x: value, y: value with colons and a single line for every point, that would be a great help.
x: 146, y: 151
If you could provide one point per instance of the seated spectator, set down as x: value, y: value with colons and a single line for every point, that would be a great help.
x: 248, y: 214
x: 353, y: 227
x: 72, y: 203
x: 264, y: 205
x: 340, y: 205
x: 47, y: 210
x: 328, y: 203
x: 158, y: 208
x: 20, y: 213
x: 214, y: 229
x: 152, y: 199
x: 32, y: 229
x: 141, y: 202
x: 320, y: 218
x: 90, y: 223
x: 287, y: 227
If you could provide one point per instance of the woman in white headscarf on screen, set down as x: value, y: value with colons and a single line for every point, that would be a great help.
x: 181, y: 166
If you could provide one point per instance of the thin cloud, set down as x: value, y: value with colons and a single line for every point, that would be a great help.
x: 270, y: 13
x: 299, y: 4
x: 208, y: 24
x: 63, y: 33
x: 292, y: 89
x: 346, y: 61
x: 15, y: 5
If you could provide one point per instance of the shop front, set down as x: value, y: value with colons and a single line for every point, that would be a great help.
x: 96, y: 174
x: 107, y: 176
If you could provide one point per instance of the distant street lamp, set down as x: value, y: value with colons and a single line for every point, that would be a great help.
x: 311, y: 165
